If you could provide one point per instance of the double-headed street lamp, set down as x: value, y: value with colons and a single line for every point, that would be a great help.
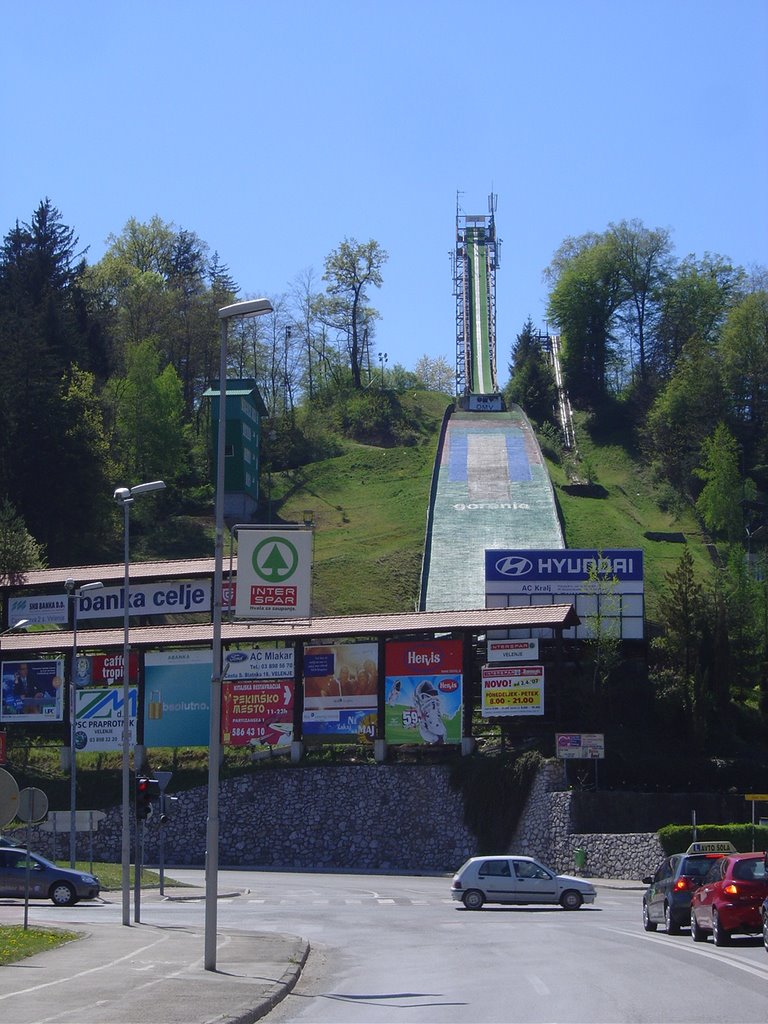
x: 74, y: 596
x: 124, y: 496
x: 253, y: 307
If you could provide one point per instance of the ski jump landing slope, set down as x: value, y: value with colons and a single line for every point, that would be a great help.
x: 491, y: 489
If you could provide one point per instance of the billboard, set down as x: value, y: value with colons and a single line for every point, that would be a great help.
x: 512, y: 690
x: 258, y: 697
x: 177, y: 698
x: 423, y: 692
x: 274, y: 574
x: 32, y: 691
x: 341, y: 683
x: 104, y: 669
x: 605, y: 585
x: 99, y: 722
x: 586, y: 745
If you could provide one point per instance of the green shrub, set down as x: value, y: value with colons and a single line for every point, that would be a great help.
x: 677, y: 838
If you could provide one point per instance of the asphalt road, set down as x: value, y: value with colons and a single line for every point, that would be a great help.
x: 387, y: 948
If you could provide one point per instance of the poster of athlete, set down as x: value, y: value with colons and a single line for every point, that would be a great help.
x: 423, y: 692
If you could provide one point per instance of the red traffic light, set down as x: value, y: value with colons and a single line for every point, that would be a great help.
x: 146, y: 791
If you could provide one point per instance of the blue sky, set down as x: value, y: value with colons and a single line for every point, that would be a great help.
x: 276, y: 129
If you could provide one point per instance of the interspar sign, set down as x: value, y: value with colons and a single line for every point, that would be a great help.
x: 513, y: 650
x: 274, y: 574
x: 513, y: 690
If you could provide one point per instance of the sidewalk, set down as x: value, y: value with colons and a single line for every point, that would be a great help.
x: 117, y: 974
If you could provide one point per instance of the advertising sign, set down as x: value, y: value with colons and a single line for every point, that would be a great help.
x: 258, y: 713
x: 588, y: 745
x: 513, y: 650
x: 274, y: 574
x: 258, y: 697
x: 39, y: 610
x: 105, y: 669
x: 32, y: 691
x: 512, y: 690
x: 607, y: 584
x: 423, y: 692
x: 177, y: 704
x: 341, y: 684
x: 99, y: 722
x: 259, y: 663
x: 175, y: 598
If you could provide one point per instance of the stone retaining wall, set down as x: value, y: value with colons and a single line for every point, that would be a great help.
x: 361, y: 818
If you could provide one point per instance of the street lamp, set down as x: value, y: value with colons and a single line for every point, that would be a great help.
x: 124, y: 496
x: 253, y: 307
x: 74, y: 595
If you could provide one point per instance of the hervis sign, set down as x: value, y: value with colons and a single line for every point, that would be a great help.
x: 274, y: 574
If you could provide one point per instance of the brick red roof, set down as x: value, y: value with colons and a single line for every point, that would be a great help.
x: 472, y: 620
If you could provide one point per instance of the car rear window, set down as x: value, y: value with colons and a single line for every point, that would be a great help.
x: 749, y: 870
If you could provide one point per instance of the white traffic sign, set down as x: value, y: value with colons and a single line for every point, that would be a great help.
x: 61, y: 821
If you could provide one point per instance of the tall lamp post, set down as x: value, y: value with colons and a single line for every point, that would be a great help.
x: 74, y: 596
x: 253, y: 307
x: 124, y: 496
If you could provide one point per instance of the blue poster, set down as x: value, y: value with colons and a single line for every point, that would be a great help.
x: 177, y: 698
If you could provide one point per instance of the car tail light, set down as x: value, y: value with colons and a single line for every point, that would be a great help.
x: 731, y: 889
x: 456, y: 884
x: 683, y: 884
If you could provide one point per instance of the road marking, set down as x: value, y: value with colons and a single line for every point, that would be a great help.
x: 541, y: 987
x: 722, y: 956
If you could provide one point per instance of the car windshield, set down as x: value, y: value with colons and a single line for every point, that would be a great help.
x: 697, y: 867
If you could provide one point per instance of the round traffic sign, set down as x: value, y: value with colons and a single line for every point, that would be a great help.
x: 9, y: 797
x: 33, y: 804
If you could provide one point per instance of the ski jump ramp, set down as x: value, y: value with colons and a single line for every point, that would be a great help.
x: 491, y: 490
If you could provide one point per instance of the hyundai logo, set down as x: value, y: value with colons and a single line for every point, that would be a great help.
x: 514, y: 566
x: 237, y: 656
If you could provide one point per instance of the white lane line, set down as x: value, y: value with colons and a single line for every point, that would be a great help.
x: 699, y: 949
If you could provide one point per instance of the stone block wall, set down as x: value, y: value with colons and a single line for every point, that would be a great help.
x: 366, y: 818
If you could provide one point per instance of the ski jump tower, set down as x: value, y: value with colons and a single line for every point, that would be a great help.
x: 475, y: 260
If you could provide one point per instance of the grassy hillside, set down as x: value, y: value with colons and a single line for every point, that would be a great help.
x: 623, y: 508
x: 370, y: 508
x: 370, y: 512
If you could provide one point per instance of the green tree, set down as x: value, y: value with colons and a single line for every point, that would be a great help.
x: 643, y: 260
x: 743, y: 355
x: 532, y: 383
x: 350, y: 270
x: 582, y: 304
x: 692, y: 305
x: 681, y: 417
x: 719, y: 502
x: 19, y: 551
x: 147, y: 412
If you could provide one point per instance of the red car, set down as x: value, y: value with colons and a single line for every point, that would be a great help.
x: 730, y: 897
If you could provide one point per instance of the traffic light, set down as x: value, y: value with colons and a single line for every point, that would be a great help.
x: 146, y: 791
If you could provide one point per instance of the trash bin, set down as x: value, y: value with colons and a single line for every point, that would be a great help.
x: 580, y: 858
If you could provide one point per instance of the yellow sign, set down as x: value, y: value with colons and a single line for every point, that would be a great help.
x: 756, y: 796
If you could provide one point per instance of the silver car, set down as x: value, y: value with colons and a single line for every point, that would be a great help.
x: 511, y: 879
x: 47, y: 881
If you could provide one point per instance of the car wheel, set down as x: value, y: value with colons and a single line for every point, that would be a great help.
x: 765, y: 931
x: 696, y: 933
x: 648, y: 924
x: 672, y: 926
x: 63, y: 894
x: 719, y: 934
x: 571, y: 900
x: 473, y: 899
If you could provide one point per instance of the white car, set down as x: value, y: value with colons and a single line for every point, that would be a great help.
x: 513, y: 879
